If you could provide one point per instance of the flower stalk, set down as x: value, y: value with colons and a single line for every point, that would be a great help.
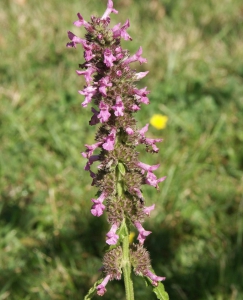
x: 127, y: 266
x: 110, y: 87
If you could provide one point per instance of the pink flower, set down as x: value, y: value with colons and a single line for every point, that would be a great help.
x: 129, y: 130
x: 88, y: 54
x: 110, y: 141
x: 140, y: 95
x: 118, y: 53
x: 87, y: 47
x: 101, y: 287
x: 148, y: 209
x: 104, y: 82
x: 119, y: 73
x: 109, y: 58
x: 98, y: 206
x: 92, y: 174
x: 119, y: 107
x: 148, y: 141
x: 135, y: 107
x: 140, y: 75
x: 87, y: 73
x: 136, y: 57
x: 121, y: 32
x: 75, y: 40
x: 88, y: 92
x: 155, y: 279
x: 142, y: 232
x: 90, y: 149
x: 91, y: 160
x: 139, y: 193
x: 112, y: 236
x: 109, y: 10
x: 152, y: 142
x: 146, y: 167
x: 152, y: 180
x: 104, y: 114
x: 94, y: 119
x: 82, y: 22
x: 143, y: 130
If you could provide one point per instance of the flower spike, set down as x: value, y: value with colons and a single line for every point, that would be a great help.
x: 110, y: 89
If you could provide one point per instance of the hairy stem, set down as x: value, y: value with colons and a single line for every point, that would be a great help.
x: 127, y: 268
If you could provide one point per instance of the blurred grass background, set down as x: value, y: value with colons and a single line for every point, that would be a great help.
x: 50, y: 245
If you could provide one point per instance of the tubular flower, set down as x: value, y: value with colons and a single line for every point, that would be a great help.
x: 112, y: 236
x: 101, y: 287
x: 111, y: 92
x: 155, y: 279
x: 142, y: 232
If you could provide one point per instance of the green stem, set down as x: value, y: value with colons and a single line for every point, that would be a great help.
x: 127, y: 268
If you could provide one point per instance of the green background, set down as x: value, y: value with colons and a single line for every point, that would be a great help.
x: 51, y: 247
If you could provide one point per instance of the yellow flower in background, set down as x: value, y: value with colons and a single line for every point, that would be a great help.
x: 131, y: 237
x: 159, y: 121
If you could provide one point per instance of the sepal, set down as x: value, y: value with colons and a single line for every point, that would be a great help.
x: 92, y: 291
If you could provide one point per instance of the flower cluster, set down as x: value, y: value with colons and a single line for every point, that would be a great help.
x: 110, y: 86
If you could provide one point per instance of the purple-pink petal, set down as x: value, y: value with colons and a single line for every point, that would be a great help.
x: 109, y: 58
x: 121, y: 31
x: 140, y: 95
x: 91, y: 160
x: 82, y: 22
x: 136, y: 57
x: 87, y: 73
x: 90, y: 149
x: 97, y: 208
x: 75, y: 40
x: 94, y: 119
x: 139, y: 193
x: 112, y: 236
x: 155, y: 279
x: 147, y: 167
x: 104, y: 82
x: 153, y: 141
x: 124, y: 34
x: 142, y: 232
x: 109, y: 143
x: 92, y: 174
x: 143, y: 130
x: 118, y: 53
x: 152, y: 180
x: 155, y: 148
x: 129, y: 130
x: 118, y: 107
x: 135, y: 107
x: 109, y: 10
x: 150, y: 142
x: 147, y: 209
x: 119, y: 73
x: 140, y: 75
x: 104, y: 114
x: 88, y: 92
x: 101, y: 287
x: 88, y: 55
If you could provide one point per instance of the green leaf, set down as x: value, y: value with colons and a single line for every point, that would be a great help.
x: 121, y: 168
x: 160, y: 292
x: 122, y: 231
x: 92, y: 290
x: 119, y: 188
